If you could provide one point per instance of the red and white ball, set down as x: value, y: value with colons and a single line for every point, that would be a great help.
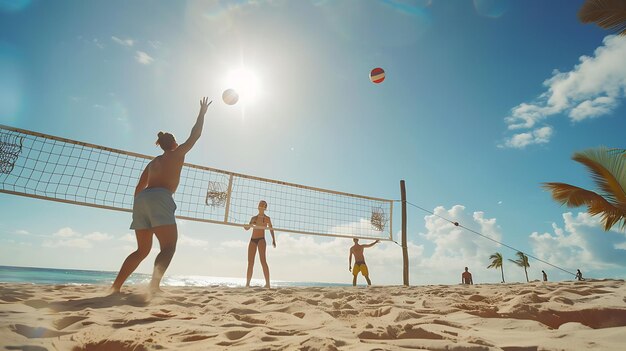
x: 377, y: 75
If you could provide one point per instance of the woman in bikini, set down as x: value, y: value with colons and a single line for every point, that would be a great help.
x: 258, y: 224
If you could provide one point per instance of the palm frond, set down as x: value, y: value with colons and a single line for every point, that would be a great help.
x: 608, y: 172
x: 608, y: 14
x: 496, y: 260
x: 570, y: 195
x: 522, y: 260
x: 517, y: 262
x: 573, y: 196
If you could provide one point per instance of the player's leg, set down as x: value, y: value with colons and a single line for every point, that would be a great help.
x: 266, y: 269
x: 366, y: 274
x: 167, y: 236
x: 144, y: 244
x: 251, y: 255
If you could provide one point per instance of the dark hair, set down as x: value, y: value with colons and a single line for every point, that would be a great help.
x: 166, y: 141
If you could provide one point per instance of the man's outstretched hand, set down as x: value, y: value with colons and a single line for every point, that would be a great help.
x: 204, y: 105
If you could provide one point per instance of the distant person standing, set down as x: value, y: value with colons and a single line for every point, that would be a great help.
x: 545, y: 276
x: 359, y: 261
x: 579, y: 275
x: 466, y: 277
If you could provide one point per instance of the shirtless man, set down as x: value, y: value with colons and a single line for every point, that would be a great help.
x: 153, y: 208
x: 258, y: 224
x: 466, y: 277
x: 359, y: 261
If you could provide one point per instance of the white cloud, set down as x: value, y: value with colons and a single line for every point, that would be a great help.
x: 97, y: 236
x: 591, y: 89
x: 538, y: 136
x: 97, y: 43
x: 593, y: 108
x: 143, y: 58
x: 22, y: 232
x: 128, y: 237
x: 580, y: 243
x: 80, y: 243
x: 234, y: 244
x: 155, y: 43
x: 124, y: 42
x: 66, y: 232
x: 361, y: 228
x: 185, y: 240
x: 455, y: 247
x: 68, y: 237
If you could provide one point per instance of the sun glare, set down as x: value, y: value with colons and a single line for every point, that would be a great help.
x: 245, y: 82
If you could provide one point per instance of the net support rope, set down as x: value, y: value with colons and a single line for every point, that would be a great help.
x: 457, y: 224
x: 47, y: 167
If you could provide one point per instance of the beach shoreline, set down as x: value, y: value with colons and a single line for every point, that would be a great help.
x: 529, y: 316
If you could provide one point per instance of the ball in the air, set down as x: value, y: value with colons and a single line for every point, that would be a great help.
x: 230, y: 96
x: 377, y: 75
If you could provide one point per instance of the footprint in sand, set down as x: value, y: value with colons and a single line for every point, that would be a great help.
x: 282, y: 333
x: 399, y: 332
x: 236, y: 334
x: 36, y: 303
x: 27, y: 348
x: 248, y: 319
x: 65, y: 322
x: 317, y: 343
x: 197, y: 337
x: 111, y: 345
x: 35, y: 332
x: 132, y: 322
x: 239, y: 311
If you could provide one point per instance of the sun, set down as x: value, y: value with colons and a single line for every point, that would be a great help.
x: 245, y: 82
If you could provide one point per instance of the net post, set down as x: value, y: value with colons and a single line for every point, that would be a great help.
x: 391, y: 220
x: 228, y: 192
x: 405, y: 253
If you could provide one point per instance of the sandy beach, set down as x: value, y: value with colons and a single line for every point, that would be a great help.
x: 533, y: 316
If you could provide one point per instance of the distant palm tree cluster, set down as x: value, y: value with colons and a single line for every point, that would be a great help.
x: 497, y: 262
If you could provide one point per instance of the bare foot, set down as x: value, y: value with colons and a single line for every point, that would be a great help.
x: 156, y: 290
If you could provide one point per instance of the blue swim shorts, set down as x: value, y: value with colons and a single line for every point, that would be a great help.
x: 153, y: 207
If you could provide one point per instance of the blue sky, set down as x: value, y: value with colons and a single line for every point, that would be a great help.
x: 483, y: 101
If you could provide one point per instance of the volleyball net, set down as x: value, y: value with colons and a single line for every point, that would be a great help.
x: 52, y: 168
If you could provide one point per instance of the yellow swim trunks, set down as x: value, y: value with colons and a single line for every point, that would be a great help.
x: 360, y: 267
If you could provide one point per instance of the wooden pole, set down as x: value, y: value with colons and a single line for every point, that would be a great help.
x: 405, y: 253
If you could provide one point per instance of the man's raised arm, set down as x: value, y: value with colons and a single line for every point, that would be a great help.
x: 372, y: 244
x: 196, y: 131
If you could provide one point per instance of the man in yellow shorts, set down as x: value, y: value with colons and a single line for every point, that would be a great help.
x: 359, y: 261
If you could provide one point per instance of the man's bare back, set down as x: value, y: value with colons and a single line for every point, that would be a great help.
x: 164, y: 171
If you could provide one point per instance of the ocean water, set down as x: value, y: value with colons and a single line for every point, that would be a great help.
x: 9, y: 274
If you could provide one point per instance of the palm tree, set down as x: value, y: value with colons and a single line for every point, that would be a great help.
x: 608, y: 14
x: 522, y: 261
x: 608, y: 171
x: 496, y: 262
